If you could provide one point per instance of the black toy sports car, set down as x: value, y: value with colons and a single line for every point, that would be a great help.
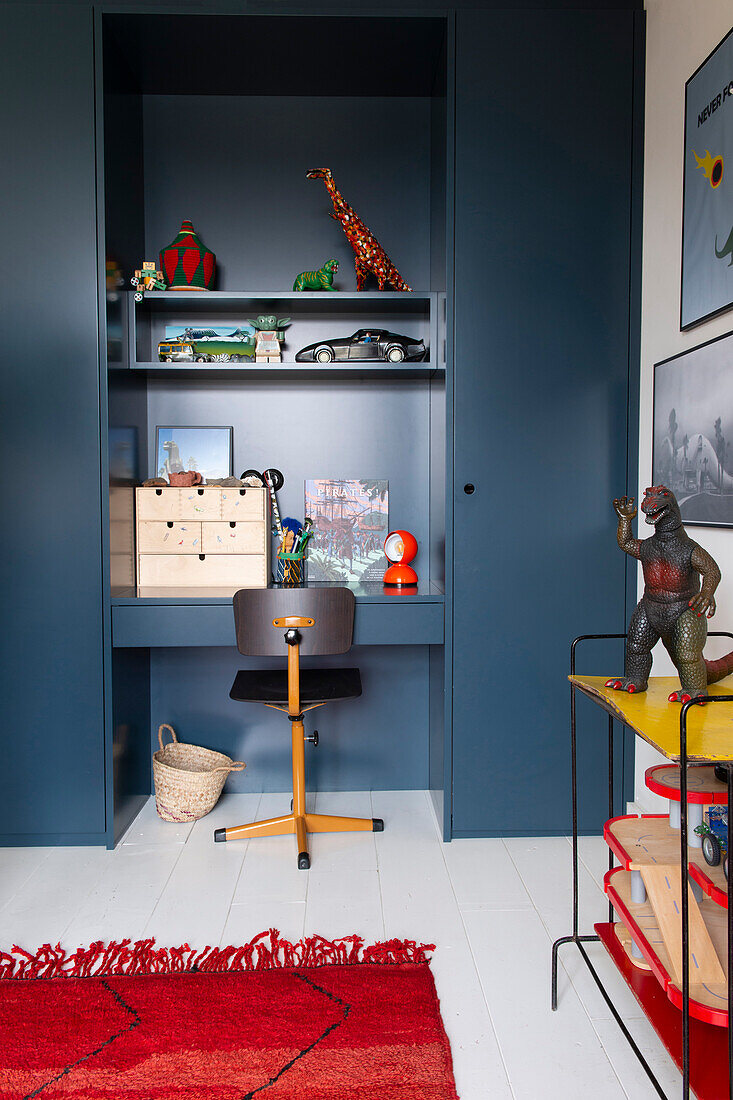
x: 365, y: 344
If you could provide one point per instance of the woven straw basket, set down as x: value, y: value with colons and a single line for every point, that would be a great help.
x: 188, y: 779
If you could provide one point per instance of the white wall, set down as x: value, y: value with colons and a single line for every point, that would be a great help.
x: 680, y: 35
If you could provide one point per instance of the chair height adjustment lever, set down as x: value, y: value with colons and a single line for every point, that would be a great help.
x: 313, y: 738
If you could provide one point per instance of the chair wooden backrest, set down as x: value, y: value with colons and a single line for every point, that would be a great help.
x: 331, y: 608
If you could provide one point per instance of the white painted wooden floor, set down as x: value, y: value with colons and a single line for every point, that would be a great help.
x: 492, y: 907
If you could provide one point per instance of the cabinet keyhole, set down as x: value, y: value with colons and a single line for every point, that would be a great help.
x: 469, y: 488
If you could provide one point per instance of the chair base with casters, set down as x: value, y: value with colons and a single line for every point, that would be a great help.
x: 294, y: 692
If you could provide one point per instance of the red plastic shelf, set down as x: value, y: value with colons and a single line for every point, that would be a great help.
x: 702, y: 786
x: 708, y: 1045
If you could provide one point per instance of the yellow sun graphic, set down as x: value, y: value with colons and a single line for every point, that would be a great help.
x: 712, y: 167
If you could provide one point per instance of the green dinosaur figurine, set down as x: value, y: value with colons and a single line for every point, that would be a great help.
x: 317, y: 280
x: 727, y: 249
x: 270, y: 337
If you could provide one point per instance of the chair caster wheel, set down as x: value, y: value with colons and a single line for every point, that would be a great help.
x: 291, y: 805
x: 377, y: 825
x: 304, y: 861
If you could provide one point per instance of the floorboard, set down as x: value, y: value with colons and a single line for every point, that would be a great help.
x: 492, y: 907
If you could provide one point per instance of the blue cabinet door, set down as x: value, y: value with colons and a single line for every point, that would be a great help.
x: 543, y: 253
x: 52, y: 761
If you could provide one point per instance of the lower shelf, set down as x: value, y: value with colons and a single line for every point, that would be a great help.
x: 708, y: 1044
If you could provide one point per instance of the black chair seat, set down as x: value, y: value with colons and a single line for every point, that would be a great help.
x: 317, y: 685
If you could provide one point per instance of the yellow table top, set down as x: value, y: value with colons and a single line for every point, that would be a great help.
x: 653, y: 717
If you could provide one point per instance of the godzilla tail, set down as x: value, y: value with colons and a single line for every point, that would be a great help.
x: 718, y: 254
x: 718, y: 669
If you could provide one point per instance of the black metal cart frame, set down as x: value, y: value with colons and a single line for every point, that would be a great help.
x: 579, y: 940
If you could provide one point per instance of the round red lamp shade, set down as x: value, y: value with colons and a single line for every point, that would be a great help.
x: 400, y: 548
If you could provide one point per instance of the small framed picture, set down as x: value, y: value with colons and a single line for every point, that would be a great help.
x: 207, y: 450
x: 693, y: 431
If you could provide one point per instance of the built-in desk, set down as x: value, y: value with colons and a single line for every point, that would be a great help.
x: 166, y: 617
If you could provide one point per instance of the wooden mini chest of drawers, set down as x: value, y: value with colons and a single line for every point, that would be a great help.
x: 202, y: 537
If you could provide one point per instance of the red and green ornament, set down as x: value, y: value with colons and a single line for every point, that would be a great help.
x: 187, y: 263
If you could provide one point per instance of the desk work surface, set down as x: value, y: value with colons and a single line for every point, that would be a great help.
x: 653, y: 717
x: 203, y: 617
x: 367, y: 591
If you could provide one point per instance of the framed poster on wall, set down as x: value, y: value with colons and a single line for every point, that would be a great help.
x: 692, y: 450
x: 707, y: 208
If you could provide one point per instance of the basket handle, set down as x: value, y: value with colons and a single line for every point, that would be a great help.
x: 165, y: 726
x: 235, y: 766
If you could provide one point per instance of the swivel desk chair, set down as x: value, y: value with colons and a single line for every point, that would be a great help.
x: 271, y: 622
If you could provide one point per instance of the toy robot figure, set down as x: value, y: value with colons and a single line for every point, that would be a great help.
x: 148, y: 277
x: 270, y: 336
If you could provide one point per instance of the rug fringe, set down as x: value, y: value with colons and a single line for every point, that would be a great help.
x: 265, y: 952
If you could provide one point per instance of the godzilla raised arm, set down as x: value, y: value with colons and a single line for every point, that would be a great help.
x: 626, y: 510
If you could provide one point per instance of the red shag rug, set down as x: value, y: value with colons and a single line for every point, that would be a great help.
x: 271, y: 1020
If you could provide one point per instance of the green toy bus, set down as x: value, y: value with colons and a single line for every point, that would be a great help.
x: 207, y: 346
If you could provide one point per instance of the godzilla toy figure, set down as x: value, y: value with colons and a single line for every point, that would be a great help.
x: 674, y: 603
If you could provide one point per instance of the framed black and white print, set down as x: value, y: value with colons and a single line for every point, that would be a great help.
x: 692, y: 450
x: 707, y: 218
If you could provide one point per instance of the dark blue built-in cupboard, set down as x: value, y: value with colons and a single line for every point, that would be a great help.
x: 497, y: 155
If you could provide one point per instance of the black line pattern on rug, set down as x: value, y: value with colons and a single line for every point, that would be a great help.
x: 306, y: 1050
x: 92, y: 1053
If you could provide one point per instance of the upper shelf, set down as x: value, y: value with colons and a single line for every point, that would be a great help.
x: 349, y: 300
x: 653, y: 717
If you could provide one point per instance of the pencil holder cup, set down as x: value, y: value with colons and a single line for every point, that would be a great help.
x: 290, y: 569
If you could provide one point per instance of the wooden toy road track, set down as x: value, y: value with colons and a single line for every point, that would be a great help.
x: 648, y: 840
x: 709, y: 728
x: 656, y: 929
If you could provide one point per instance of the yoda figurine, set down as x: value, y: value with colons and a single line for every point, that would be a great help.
x: 270, y: 337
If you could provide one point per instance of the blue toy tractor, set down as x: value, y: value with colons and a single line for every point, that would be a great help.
x: 715, y: 840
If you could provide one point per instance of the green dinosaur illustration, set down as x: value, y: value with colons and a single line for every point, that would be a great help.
x: 727, y: 249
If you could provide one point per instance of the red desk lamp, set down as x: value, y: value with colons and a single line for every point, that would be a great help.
x: 400, y: 548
